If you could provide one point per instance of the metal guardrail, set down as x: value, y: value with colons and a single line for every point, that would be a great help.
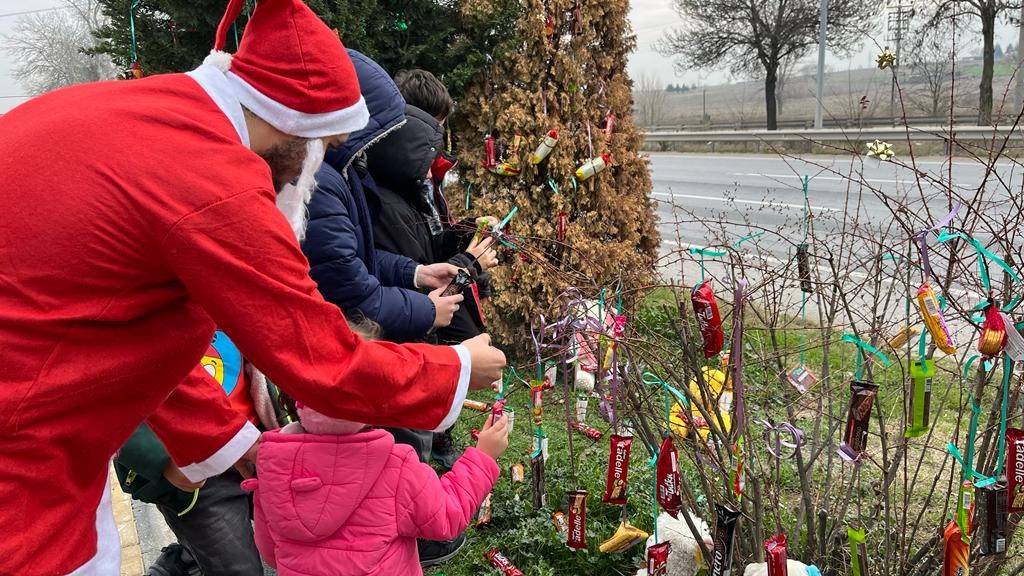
x: 917, y: 133
x: 847, y: 123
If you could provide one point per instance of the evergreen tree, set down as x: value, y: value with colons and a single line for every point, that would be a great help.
x: 563, y: 69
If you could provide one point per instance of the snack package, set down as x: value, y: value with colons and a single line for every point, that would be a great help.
x: 1015, y: 469
x: 901, y: 337
x: 498, y: 410
x: 931, y: 313
x: 800, y: 378
x: 858, y: 551
x: 490, y: 160
x: 540, y: 497
x: 545, y: 147
x: 657, y: 559
x: 668, y: 478
x: 775, y: 552
x: 540, y: 443
x: 475, y: 405
x: 593, y: 166
x: 517, y: 473
x: 803, y: 265
x: 993, y: 332
x: 577, y: 537
x: 618, y: 469
x: 705, y: 308
x: 561, y: 525
x: 461, y: 281
x: 511, y: 418
x: 955, y: 552
x: 537, y: 401
x: 483, y: 515
x: 726, y: 522
x: 991, y: 519
x: 965, y: 509
x: 588, y: 431
x: 625, y: 537
x: 855, y: 437
x: 502, y: 563
x: 921, y: 397
x: 582, y: 404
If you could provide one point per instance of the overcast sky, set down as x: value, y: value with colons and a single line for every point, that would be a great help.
x: 650, y: 19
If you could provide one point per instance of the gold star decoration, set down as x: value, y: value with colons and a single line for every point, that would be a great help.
x: 881, y: 150
x: 886, y: 59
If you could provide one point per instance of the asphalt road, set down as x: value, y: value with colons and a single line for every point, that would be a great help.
x: 742, y: 194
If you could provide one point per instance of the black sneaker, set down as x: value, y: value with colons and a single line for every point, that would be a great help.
x: 443, y: 450
x: 174, y: 560
x: 434, y: 552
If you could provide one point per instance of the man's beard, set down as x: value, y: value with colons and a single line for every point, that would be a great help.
x: 292, y: 198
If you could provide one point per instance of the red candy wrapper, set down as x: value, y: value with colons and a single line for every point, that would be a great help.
x: 1015, y: 470
x: 775, y: 547
x: 668, y: 478
x: 491, y: 160
x: 657, y: 559
x: 577, y: 535
x: 502, y: 563
x: 474, y: 434
x: 498, y: 410
x: 993, y: 332
x: 588, y: 431
x: 537, y: 400
x: 618, y: 469
x: 705, y: 307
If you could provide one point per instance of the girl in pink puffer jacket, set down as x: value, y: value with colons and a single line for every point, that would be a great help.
x: 336, y: 498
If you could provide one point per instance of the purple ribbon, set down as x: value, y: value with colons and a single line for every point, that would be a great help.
x: 922, y: 238
x: 775, y: 441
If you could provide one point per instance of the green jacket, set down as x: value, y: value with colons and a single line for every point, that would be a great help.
x: 139, y: 466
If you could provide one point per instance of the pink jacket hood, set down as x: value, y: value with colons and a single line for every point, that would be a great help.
x: 315, y: 482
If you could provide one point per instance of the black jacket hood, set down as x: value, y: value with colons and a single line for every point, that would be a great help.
x: 401, y: 160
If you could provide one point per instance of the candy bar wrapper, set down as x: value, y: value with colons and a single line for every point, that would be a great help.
x: 855, y: 437
x: 582, y: 404
x: 540, y: 497
x: 625, y: 537
x: 537, y: 401
x: 801, y: 378
x: 474, y: 434
x: 901, y: 337
x: 588, y: 431
x: 511, y: 419
x: 705, y: 308
x: 1015, y: 470
x: 498, y: 410
x: 931, y: 313
x: 475, y: 405
x: 517, y: 473
x: 657, y: 559
x: 803, y: 264
x: 618, y: 469
x: 991, y: 519
x: 561, y: 525
x: 502, y: 563
x: 858, y: 551
x: 483, y: 516
x: 775, y: 550
x: 726, y: 521
x: 668, y: 478
x: 920, y: 397
x: 577, y: 537
x: 955, y: 552
x: 550, y: 377
x: 540, y: 443
x: 965, y: 509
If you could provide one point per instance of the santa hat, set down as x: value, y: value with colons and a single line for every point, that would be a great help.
x: 291, y: 70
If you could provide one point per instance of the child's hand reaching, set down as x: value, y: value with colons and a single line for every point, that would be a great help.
x: 494, y: 437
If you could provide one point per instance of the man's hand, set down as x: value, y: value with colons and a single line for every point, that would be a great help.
x: 481, y: 249
x: 487, y: 362
x: 176, y: 477
x: 435, y: 275
x: 246, y: 465
x: 444, y: 307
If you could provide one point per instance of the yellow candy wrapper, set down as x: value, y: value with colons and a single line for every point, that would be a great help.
x: 625, y: 537
x: 933, y: 320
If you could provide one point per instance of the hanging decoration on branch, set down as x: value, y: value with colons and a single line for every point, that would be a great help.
x: 626, y: 536
x: 855, y: 437
x: 545, y: 147
x: 668, y: 478
x: 993, y: 331
x: 931, y: 313
x: 881, y: 150
x: 577, y: 535
x: 618, y: 469
x: 886, y: 59
x: 593, y: 166
x: 726, y: 522
x: 921, y: 373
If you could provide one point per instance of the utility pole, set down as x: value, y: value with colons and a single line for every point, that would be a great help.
x: 898, y: 23
x: 1019, y: 78
x: 820, y: 91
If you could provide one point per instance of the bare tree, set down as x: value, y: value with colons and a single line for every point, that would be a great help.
x: 751, y: 35
x: 787, y: 70
x: 930, y: 61
x: 650, y: 97
x: 49, y: 48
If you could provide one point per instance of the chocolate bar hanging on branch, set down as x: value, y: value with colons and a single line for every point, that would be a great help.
x: 668, y: 478
x: 726, y: 521
x: 803, y: 264
x: 775, y: 552
x: 577, y: 535
x: 540, y: 497
x: 705, y: 308
x: 991, y: 519
x: 1015, y: 470
x: 618, y: 469
x: 657, y: 559
x: 858, y: 418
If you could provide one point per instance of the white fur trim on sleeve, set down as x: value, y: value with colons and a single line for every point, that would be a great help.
x: 224, y: 458
x: 460, y: 390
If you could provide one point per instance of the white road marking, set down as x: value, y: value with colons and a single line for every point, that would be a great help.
x: 741, y: 201
x: 833, y: 178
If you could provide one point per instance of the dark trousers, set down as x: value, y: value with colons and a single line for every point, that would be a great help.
x: 218, y: 529
x: 420, y: 440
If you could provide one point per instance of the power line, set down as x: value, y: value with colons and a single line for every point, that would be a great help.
x: 37, y: 11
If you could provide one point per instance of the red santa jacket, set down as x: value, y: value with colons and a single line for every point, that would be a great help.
x: 134, y: 217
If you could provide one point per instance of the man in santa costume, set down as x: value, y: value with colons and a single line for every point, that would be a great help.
x: 138, y: 215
